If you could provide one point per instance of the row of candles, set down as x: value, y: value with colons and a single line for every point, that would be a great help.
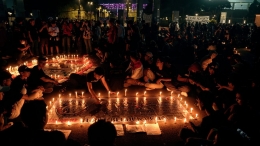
x: 185, y: 120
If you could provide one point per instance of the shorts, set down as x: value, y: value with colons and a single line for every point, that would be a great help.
x: 54, y: 41
x: 44, y: 41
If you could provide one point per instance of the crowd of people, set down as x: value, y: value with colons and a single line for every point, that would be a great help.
x: 192, y: 59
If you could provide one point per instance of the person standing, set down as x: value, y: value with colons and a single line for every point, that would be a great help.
x: 54, y: 37
x: 66, y: 36
x: 87, y: 38
x: 33, y: 37
x: 44, y: 37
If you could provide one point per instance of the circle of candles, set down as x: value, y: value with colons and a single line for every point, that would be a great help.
x: 125, y: 91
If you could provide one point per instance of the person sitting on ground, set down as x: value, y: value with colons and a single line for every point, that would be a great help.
x: 101, y: 54
x: 22, y: 51
x: 38, y: 78
x: 134, y: 71
x: 3, y: 112
x: 163, y: 74
x: 212, y: 120
x: 95, y: 76
x: 205, y: 61
x: 185, y: 79
x: 149, y: 67
x: 102, y: 133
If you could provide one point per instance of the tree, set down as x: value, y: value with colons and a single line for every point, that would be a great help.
x: 254, y: 9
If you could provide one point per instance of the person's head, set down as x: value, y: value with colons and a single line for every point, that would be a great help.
x: 42, y: 61
x: 34, y: 114
x: 102, y: 133
x: 99, y: 73
x: 53, y: 23
x: 134, y: 57
x: 5, y: 78
x: 195, y: 67
x: 205, y: 100
x: 23, y: 41
x: 24, y: 71
x: 212, y: 68
x: 241, y: 96
x: 32, y: 22
x: 160, y: 62
x: 118, y: 22
x: 148, y: 56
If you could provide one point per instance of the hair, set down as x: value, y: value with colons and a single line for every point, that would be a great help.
x: 4, y: 75
x: 162, y: 59
x: 102, y: 133
x: 100, y: 71
x: 135, y: 55
x: 33, y: 114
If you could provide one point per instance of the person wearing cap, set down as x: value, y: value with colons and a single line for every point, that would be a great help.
x: 39, y: 79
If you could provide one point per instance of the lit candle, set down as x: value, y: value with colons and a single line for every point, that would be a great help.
x: 50, y: 102
x: 76, y: 94
x: 175, y: 119
x: 70, y: 95
x: 155, y: 119
x: 58, y: 76
x: 108, y: 93
x: 181, y: 99
x: 59, y: 95
x: 81, y: 120
x: 186, y: 105
x: 117, y: 94
x: 53, y: 99
x: 196, y: 116
x: 56, y: 122
x: 98, y: 94
x: 77, y: 56
x: 55, y: 76
x: 144, y: 121
x: 137, y: 122
x: 160, y: 93
x: 185, y: 102
x: 124, y: 120
x: 47, y: 107
x: 185, y: 120
x: 125, y: 91
x: 82, y: 93
x: 191, y: 110
x: 136, y: 94
x: 171, y: 93
x: 178, y: 95
x: 69, y: 123
x: 235, y: 52
x: 144, y: 93
x: 164, y: 119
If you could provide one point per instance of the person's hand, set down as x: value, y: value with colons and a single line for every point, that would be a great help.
x: 25, y: 96
x: 158, y: 81
x: 219, y: 87
x: 191, y: 81
x: 111, y: 92
x: 41, y: 88
x: 205, y: 89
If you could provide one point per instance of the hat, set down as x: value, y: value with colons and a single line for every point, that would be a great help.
x: 42, y: 58
x: 4, y: 88
x: 23, y: 68
x: 149, y: 54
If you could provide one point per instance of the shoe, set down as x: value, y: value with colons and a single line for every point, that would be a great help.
x: 148, y: 89
x: 48, y: 90
x: 184, y: 94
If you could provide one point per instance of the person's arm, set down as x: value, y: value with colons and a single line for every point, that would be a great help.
x: 23, y: 49
x: 92, y: 92
x: 182, y: 79
x: 45, y: 79
x: 104, y: 82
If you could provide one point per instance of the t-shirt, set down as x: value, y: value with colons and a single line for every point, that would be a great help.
x: 33, y: 32
x: 44, y: 33
x: 164, y: 73
x: 18, y: 83
x: 90, y: 77
x: 34, y: 79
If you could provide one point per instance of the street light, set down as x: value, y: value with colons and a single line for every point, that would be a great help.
x: 10, y: 14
